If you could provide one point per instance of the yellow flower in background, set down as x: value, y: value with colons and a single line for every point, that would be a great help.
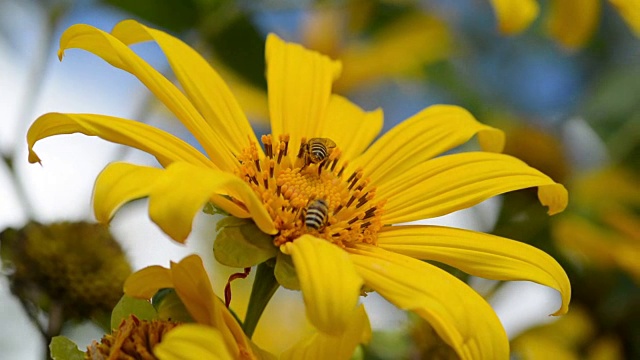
x: 326, y: 196
x: 572, y: 337
x: 570, y: 22
x: 216, y: 333
x: 602, y: 228
x: 400, y: 48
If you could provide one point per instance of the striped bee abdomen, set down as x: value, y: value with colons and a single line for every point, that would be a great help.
x: 317, y: 150
x: 317, y: 213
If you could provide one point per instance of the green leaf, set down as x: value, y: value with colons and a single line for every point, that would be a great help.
x: 170, y: 307
x: 173, y: 15
x: 64, y: 349
x: 286, y: 273
x: 127, y: 305
x: 240, y: 243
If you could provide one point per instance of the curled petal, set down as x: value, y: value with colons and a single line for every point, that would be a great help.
x: 182, y: 191
x: 201, y: 83
x: 429, y: 133
x: 164, y: 146
x: 145, y: 283
x: 461, y: 317
x: 120, y: 183
x: 329, y: 283
x: 119, y: 55
x: 479, y: 254
x: 454, y: 182
x: 299, y: 82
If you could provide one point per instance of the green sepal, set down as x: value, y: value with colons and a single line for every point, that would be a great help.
x: 286, y: 273
x: 62, y: 348
x: 240, y: 243
x: 211, y: 209
x: 128, y: 305
x: 170, y: 307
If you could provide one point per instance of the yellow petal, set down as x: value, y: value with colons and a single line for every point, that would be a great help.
x: 572, y: 22
x: 400, y: 48
x: 299, y: 82
x: 515, y: 15
x: 630, y: 12
x: 145, y: 283
x: 431, y: 132
x: 479, y: 254
x: 193, y: 286
x: 461, y: 317
x: 182, y: 191
x: 193, y: 342
x: 329, y: 283
x: 164, y: 146
x: 454, y: 182
x: 320, y: 346
x: 202, y: 85
x: 119, y: 55
x: 351, y: 128
x: 120, y: 183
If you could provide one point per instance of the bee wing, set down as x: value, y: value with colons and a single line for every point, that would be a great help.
x: 328, y: 143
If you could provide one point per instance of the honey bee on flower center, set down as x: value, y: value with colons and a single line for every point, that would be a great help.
x: 312, y: 193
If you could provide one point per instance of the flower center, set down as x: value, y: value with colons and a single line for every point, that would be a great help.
x: 311, y: 194
x: 134, y: 339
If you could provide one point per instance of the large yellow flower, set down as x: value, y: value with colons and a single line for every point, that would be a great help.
x: 366, y: 187
x: 570, y: 22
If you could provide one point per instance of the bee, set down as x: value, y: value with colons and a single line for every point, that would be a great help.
x: 316, y: 214
x: 316, y: 150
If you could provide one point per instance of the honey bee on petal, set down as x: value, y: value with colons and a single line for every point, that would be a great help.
x: 316, y: 150
x: 316, y: 214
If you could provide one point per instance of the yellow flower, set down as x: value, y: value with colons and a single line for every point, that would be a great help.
x: 216, y: 333
x: 400, y: 48
x: 574, y: 336
x: 602, y: 228
x: 570, y: 22
x: 365, y: 188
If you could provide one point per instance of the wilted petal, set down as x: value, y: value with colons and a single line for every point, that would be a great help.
x: 329, y: 283
x: 479, y: 254
x: 461, y: 317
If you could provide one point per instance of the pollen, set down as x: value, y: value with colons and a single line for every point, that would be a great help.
x: 308, y: 193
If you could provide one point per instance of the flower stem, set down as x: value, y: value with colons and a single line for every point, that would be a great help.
x: 264, y: 286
